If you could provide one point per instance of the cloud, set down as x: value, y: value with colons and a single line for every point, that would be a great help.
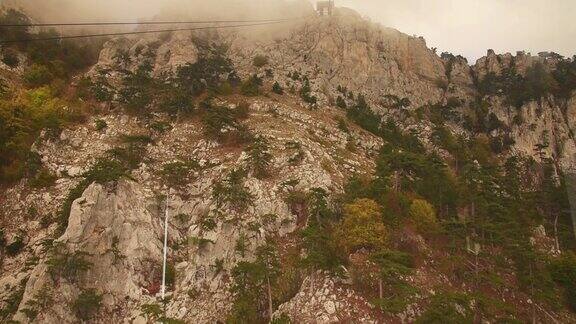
x: 470, y: 27
x: 466, y: 27
x: 122, y: 10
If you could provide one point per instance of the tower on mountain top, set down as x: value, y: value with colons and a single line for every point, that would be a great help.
x: 325, y: 7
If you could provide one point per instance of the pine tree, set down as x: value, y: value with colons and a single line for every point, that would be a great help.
x: 277, y: 88
x: 259, y: 157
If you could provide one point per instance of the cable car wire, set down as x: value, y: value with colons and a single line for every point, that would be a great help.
x: 145, y: 23
x: 56, y: 38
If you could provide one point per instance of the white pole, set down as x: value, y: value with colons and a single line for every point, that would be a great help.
x: 165, y: 251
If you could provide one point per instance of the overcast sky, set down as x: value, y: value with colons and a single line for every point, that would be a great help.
x: 470, y: 27
x: 466, y: 27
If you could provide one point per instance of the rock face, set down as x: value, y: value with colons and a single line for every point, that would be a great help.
x: 350, y: 52
x: 322, y: 299
x: 176, y: 51
x: 120, y: 230
x: 547, y: 122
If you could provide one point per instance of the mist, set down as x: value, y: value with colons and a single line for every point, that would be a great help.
x: 465, y: 27
x: 470, y: 27
x: 134, y: 10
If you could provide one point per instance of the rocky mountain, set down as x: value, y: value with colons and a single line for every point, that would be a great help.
x: 331, y: 170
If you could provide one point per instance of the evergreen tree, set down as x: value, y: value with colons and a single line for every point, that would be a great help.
x: 277, y: 88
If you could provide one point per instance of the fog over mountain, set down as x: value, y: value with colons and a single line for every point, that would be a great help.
x: 466, y: 27
x: 469, y: 27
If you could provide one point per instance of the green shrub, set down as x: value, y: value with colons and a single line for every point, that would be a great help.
x: 178, y: 173
x: 260, y: 61
x: 243, y: 135
x: 12, y: 301
x: 206, y: 222
x: 251, y: 87
x: 322, y: 252
x: 170, y: 275
x: 63, y: 264
x: 64, y: 212
x: 183, y: 218
x: 443, y: 309
x: 343, y: 125
x: 241, y: 245
x: 137, y: 139
x: 207, y: 73
x: 200, y: 242
x: 152, y: 312
x: 174, y: 100
x: 298, y: 155
x: 423, y: 216
x: 294, y: 75
x: 232, y: 192
x: 252, y: 281
x: 401, y: 295
x: 87, y: 304
x: 14, y: 248
x: 101, y: 89
x: 306, y: 93
x: 341, y: 103
x: 277, y: 88
x: 100, y: 124
x: 259, y: 157
x: 225, y: 89
x: 218, y: 118
x: 242, y: 110
x: 363, y: 115
x: 282, y: 319
x: 43, y: 179
x: 106, y: 170
x: 37, y: 76
x: 362, y: 227
x: 564, y: 273
x: 42, y: 299
x: 248, y: 278
x: 10, y: 59
x: 161, y: 127
x: 139, y: 89
x: 221, y: 123
x: 2, y: 239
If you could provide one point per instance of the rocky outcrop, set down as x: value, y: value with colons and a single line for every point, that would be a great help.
x: 348, y: 51
x: 323, y: 299
x: 165, y: 55
x: 119, y: 230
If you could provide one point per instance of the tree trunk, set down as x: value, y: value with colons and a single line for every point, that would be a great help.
x: 571, y: 187
x: 380, y: 288
x: 532, y: 294
x: 269, y: 297
x: 556, y: 239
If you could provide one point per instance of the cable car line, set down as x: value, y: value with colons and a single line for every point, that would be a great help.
x: 145, y: 23
x: 4, y: 42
